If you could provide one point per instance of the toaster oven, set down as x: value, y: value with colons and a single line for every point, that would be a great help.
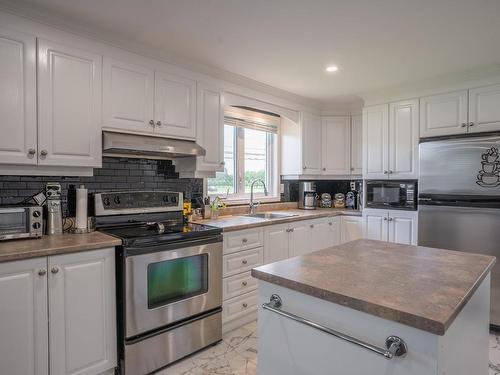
x: 20, y: 222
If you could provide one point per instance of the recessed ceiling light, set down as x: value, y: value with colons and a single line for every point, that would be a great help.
x: 332, y: 68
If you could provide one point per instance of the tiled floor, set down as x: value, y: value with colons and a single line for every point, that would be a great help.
x: 237, y: 355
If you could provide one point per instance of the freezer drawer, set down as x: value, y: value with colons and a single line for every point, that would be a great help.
x: 473, y: 230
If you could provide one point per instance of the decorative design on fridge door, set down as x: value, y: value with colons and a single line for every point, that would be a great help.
x: 489, y: 175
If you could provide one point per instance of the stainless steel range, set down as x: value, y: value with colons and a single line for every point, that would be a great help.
x: 169, y: 279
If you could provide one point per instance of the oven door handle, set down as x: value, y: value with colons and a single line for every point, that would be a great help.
x: 146, y: 249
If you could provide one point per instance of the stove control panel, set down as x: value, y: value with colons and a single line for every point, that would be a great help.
x: 133, y: 202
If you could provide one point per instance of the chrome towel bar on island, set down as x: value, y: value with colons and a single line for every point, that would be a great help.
x: 394, y: 346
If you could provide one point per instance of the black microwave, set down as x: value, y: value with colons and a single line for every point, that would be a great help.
x: 393, y: 194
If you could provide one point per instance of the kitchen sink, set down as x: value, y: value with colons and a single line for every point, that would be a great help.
x: 270, y: 215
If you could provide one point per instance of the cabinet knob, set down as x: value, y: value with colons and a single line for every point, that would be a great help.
x: 391, y: 172
x: 352, y: 169
x: 324, y: 169
x: 311, y: 226
x: 158, y: 123
x: 54, y: 269
x: 43, y: 152
x: 244, y: 240
x: 291, y: 229
x: 304, y: 167
x: 151, y: 122
x: 244, y: 283
x: 385, y: 219
x: 244, y: 261
x: 464, y: 124
x: 31, y: 151
x: 222, y: 163
x: 386, y: 172
x: 390, y: 219
x: 245, y: 305
x: 471, y: 124
x: 42, y: 272
x: 330, y: 223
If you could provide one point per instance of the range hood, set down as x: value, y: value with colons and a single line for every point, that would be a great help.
x: 147, y: 147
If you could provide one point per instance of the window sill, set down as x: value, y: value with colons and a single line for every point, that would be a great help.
x: 246, y: 201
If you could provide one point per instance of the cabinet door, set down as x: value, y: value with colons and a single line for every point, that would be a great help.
x: 484, y: 109
x: 69, y: 106
x: 336, y: 146
x: 376, y: 224
x: 127, y: 96
x: 175, y: 106
x: 311, y: 144
x: 18, y: 101
x: 82, y: 333
x: 356, y: 144
x: 376, y: 142
x: 276, y: 243
x: 351, y: 228
x: 23, y: 322
x: 300, y: 238
x: 320, y: 235
x: 403, y: 227
x: 443, y: 114
x: 403, y: 140
x: 210, y: 127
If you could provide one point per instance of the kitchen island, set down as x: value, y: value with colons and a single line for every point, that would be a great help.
x: 371, y: 307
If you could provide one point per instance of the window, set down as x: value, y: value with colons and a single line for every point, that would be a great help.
x: 250, y: 153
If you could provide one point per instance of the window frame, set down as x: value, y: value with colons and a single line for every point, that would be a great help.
x: 272, y: 170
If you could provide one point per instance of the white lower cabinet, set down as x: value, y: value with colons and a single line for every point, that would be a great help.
x: 351, y: 228
x: 391, y: 225
x: 276, y: 243
x: 63, y: 309
x: 23, y: 322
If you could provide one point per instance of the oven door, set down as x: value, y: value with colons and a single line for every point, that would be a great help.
x: 168, y: 283
x: 14, y: 223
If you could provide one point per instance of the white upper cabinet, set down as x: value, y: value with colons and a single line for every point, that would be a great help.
x: 69, y: 106
x: 82, y: 330
x: 484, y: 109
x: 175, y: 105
x: 336, y: 145
x: 376, y: 141
x: 128, y: 92
x: 443, y: 114
x: 403, y: 140
x: 18, y: 144
x: 210, y: 126
x: 311, y: 144
x: 23, y: 312
x: 356, y: 144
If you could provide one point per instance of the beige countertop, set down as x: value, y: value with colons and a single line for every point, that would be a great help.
x: 55, y: 245
x: 238, y: 222
x: 417, y: 286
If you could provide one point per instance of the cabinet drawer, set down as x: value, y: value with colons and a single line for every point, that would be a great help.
x: 238, y: 284
x: 242, y: 240
x: 242, y: 261
x: 240, y: 306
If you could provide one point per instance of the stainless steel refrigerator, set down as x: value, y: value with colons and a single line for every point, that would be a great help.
x: 459, y: 200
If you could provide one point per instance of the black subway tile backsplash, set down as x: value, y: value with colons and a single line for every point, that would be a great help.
x: 116, y: 174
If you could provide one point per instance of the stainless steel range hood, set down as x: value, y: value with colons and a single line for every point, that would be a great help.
x: 147, y: 147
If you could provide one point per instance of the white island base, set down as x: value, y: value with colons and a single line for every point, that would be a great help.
x: 288, y: 347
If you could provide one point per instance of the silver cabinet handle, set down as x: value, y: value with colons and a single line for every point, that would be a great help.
x: 244, y: 261
x: 151, y: 122
x: 158, y: 123
x: 42, y: 272
x: 244, y: 283
x: 31, y: 151
x: 394, y: 346
x: 245, y: 305
x: 464, y: 124
x: 54, y: 269
x: 43, y: 152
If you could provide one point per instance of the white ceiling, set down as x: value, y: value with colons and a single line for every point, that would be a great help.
x: 288, y: 43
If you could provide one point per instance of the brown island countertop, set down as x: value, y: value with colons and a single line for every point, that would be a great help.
x: 238, y: 222
x: 417, y: 286
x: 55, y: 245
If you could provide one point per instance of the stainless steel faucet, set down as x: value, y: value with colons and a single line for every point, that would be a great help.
x: 253, y: 206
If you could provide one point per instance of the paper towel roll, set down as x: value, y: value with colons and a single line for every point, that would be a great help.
x: 81, y: 208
